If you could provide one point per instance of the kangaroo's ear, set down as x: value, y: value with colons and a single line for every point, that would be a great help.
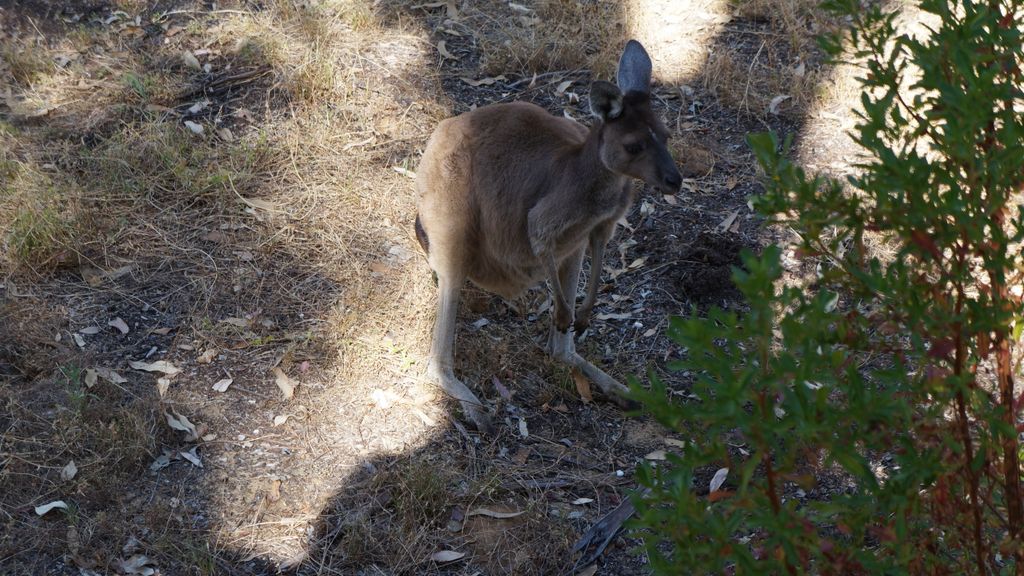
x: 634, y: 69
x: 605, y: 100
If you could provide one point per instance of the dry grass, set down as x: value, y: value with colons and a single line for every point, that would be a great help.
x: 524, y: 42
x: 280, y: 237
x: 749, y: 72
x: 25, y: 64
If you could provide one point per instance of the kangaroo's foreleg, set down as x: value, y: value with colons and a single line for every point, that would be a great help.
x: 440, y: 367
x: 568, y: 279
x: 598, y: 240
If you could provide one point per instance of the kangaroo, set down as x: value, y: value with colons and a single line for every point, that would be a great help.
x: 510, y: 195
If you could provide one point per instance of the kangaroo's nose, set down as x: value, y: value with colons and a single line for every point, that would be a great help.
x: 673, y: 181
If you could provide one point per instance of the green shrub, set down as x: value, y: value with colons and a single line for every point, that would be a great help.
x: 895, y: 375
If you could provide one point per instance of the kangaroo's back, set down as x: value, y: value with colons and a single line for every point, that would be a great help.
x: 480, y: 174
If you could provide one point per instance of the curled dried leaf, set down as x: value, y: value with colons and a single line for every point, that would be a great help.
x: 286, y: 384
x: 181, y: 423
x: 119, y: 324
x: 56, y: 504
x: 446, y: 556
x: 717, y: 480
x: 158, y: 366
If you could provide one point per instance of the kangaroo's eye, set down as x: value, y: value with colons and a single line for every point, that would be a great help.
x: 634, y: 148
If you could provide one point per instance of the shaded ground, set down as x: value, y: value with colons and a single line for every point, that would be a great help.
x: 246, y: 211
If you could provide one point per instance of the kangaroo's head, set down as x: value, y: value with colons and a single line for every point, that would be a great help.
x: 632, y: 138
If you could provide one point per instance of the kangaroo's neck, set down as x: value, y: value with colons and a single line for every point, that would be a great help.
x: 590, y: 173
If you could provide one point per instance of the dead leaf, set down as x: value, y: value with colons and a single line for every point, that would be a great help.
x: 193, y: 127
x: 611, y: 316
x: 42, y: 510
x: 280, y: 419
x: 179, y: 422
x: 68, y: 471
x: 588, y: 571
x: 800, y: 69
x: 238, y: 322
x: 136, y: 565
x: 501, y: 389
x: 670, y: 199
x: 198, y: 106
x: 90, y: 378
x: 222, y: 385
x: 192, y: 457
x: 523, y: 430
x: 190, y: 60
x: 492, y: 513
x: 384, y: 399
x: 162, y: 461
x: 90, y: 330
x: 719, y: 495
x: 563, y: 86
x: 735, y: 228
x: 582, y: 501
x: 405, y: 172
x: 676, y: 443
x: 717, y: 480
x: 727, y: 223
x: 274, y: 493
x: 207, y: 356
x: 158, y: 109
x: 79, y: 340
x: 650, y: 332
x: 519, y: 8
x: 161, y: 331
x: 582, y: 385
x: 286, y: 384
x: 656, y: 455
x: 225, y: 134
x: 442, y: 49
x: 257, y: 204
x: 120, y: 325
x: 368, y: 140
x: 110, y: 376
x: 731, y: 182
x: 162, y: 384
x: 446, y: 556
x: 483, y: 81
x: 773, y: 106
x: 158, y: 366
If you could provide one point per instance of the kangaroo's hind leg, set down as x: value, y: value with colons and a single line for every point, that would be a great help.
x: 562, y: 346
x: 442, y: 351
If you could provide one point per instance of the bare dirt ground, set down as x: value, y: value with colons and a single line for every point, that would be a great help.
x: 226, y: 189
